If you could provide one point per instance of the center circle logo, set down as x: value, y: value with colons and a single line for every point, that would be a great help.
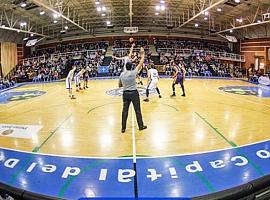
x: 247, y: 90
x: 119, y: 91
x: 20, y: 95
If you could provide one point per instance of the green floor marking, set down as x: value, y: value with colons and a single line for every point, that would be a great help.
x: 36, y: 149
x: 233, y: 144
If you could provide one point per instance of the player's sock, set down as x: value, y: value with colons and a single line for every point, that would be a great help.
x: 147, y: 93
x: 158, y: 91
x: 173, y: 88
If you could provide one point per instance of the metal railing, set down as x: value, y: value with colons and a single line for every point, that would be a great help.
x: 56, y: 56
x: 33, y: 59
x: 217, y: 55
x: 123, y: 50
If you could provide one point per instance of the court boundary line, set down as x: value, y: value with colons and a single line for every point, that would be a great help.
x: 134, y: 154
x: 121, y: 158
x: 133, y: 137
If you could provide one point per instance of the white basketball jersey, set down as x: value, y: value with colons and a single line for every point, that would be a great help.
x: 153, y: 74
x: 70, y: 74
x: 126, y: 60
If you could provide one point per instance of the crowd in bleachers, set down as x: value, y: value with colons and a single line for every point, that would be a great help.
x: 38, y: 71
x: 253, y: 74
x: 65, y: 48
x: 6, y: 83
x: 194, y: 45
x: 200, y: 65
x: 126, y: 44
x: 53, y: 68
x: 196, y: 64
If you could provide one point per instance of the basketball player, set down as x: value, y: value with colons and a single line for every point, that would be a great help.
x: 153, y: 78
x: 127, y: 58
x: 139, y: 77
x: 77, y: 79
x: 179, y: 78
x: 68, y: 81
x: 86, y: 77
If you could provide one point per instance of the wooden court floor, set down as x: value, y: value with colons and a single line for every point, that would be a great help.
x: 206, y: 119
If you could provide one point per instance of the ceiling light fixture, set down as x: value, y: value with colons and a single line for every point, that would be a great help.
x: 99, y: 9
x: 108, y: 22
x: 196, y: 25
x: 240, y: 20
x: 55, y: 21
x: 259, y: 21
x: 156, y: 13
x: 162, y: 1
x: 219, y: 9
x: 104, y: 8
x: 66, y: 27
x: 231, y: 31
x: 97, y: 2
x: 23, y: 5
x: 42, y: 12
x: 157, y: 7
x: 26, y: 38
x: 55, y: 16
x: 23, y: 24
x: 162, y: 7
x: 206, y: 13
x: 205, y: 18
x: 103, y: 14
x: 237, y: 1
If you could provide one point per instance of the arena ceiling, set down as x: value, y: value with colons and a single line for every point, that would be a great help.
x: 90, y: 17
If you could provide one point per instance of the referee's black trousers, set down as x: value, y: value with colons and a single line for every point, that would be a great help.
x: 131, y: 96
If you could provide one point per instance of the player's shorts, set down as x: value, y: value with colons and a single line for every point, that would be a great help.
x: 152, y: 84
x: 68, y: 83
x: 179, y: 79
x: 77, y: 80
x: 86, y: 78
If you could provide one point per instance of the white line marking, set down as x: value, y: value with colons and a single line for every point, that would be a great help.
x: 120, y: 158
x: 133, y: 137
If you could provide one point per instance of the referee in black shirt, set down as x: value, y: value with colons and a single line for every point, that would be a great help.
x: 127, y: 80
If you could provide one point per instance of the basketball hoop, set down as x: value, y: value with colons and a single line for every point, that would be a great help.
x: 131, y: 29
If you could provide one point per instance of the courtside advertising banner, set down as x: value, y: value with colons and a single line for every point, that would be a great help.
x: 19, y: 131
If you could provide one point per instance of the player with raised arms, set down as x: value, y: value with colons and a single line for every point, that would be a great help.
x: 128, y: 57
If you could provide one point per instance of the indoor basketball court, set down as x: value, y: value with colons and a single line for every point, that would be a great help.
x: 68, y: 69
